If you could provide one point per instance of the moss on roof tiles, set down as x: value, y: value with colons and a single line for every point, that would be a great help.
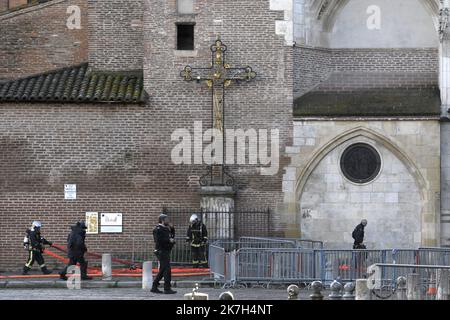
x: 380, y: 102
x: 37, y: 87
x: 76, y: 84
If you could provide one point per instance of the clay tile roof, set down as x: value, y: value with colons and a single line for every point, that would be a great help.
x: 76, y: 84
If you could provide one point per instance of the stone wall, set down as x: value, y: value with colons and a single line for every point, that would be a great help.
x: 331, y: 206
x: 405, y: 194
x: 37, y: 39
x: 445, y: 177
x: 402, y: 24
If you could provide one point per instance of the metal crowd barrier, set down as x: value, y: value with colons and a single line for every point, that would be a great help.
x: 280, y: 242
x: 278, y: 265
x: 255, y: 261
x: 428, y: 282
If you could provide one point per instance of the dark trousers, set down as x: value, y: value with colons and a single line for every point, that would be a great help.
x: 73, y: 262
x: 198, y: 255
x: 165, y: 270
x: 34, y: 255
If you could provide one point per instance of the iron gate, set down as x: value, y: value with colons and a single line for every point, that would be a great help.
x: 224, y: 225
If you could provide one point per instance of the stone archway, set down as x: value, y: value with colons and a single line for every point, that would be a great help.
x: 405, y: 202
x: 329, y: 11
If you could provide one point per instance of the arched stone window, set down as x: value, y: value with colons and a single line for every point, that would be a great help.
x: 360, y: 163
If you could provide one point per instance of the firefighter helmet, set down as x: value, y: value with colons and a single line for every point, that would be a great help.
x: 193, y: 218
x: 36, y: 224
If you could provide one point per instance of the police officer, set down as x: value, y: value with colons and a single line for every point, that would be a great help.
x: 76, y: 248
x: 34, y: 243
x: 197, y: 235
x: 163, y: 235
x: 358, y: 235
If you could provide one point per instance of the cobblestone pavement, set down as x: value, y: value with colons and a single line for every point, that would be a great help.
x: 138, y: 294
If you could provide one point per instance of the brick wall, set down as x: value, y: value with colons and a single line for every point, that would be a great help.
x: 116, y: 154
x: 36, y: 39
x: 115, y: 34
x: 386, y: 60
x: 348, y: 81
x: 264, y: 103
x: 311, y: 67
x: 17, y: 3
x: 3, y: 5
x: 364, y: 68
x: 119, y: 155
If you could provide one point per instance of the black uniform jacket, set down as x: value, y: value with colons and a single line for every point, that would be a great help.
x: 197, y: 234
x: 76, y: 246
x: 358, y: 234
x: 36, y: 242
x: 162, y: 235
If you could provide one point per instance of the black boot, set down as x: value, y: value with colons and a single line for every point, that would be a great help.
x: 84, y: 274
x: 25, y: 271
x: 45, y: 270
x: 169, y: 291
x: 155, y: 288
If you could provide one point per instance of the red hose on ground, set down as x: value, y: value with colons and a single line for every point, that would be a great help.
x: 121, y: 272
x: 96, y: 275
x: 97, y: 255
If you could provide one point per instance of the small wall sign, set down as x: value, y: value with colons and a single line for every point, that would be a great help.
x: 92, y: 222
x: 70, y: 191
x: 111, y: 223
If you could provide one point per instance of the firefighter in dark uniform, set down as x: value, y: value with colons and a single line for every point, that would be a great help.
x: 76, y: 248
x: 164, y: 238
x: 358, y: 235
x: 34, y: 243
x: 197, y: 235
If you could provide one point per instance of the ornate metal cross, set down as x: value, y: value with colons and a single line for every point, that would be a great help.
x: 218, y: 77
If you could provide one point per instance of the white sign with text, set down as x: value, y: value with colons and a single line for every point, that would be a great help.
x: 111, y: 223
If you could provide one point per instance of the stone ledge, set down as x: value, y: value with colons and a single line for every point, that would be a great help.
x: 58, y: 284
x: 217, y: 191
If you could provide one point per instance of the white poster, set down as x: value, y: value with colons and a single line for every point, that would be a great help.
x: 111, y: 223
x: 92, y: 222
x: 70, y: 191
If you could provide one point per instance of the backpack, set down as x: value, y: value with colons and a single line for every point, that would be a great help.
x: 26, y: 240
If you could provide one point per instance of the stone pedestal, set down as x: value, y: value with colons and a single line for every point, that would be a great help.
x: 413, y: 287
x: 106, y: 267
x: 362, y: 291
x: 196, y: 296
x: 147, y: 275
x: 217, y: 203
x: 443, y: 292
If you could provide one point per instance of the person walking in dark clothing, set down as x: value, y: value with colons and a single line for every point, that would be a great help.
x: 34, y: 243
x: 197, y: 235
x: 164, y: 237
x: 358, y: 235
x: 76, y: 248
